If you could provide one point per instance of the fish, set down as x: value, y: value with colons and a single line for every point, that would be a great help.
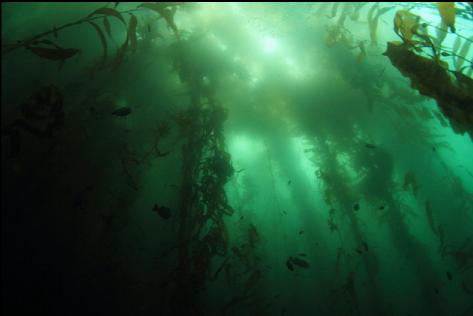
x: 301, y: 232
x: 356, y: 206
x: 289, y: 182
x: 123, y: 111
x: 302, y: 254
x: 299, y: 262
x: 371, y: 146
x: 381, y: 207
x: 449, y: 276
x: 289, y: 264
x: 162, y: 211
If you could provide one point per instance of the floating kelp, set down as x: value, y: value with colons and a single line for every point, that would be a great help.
x: 103, y: 40
x: 463, y: 52
x: 447, y: 13
x: 132, y: 32
x: 165, y: 12
x: 109, y: 12
x: 55, y: 53
x: 107, y: 27
x: 373, y: 21
x: 431, y: 78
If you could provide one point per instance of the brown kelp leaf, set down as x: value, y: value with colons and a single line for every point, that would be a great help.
x: 404, y: 24
x: 447, y: 13
x: 53, y: 53
x: 103, y: 40
x: 430, y: 78
x: 132, y: 32
x: 111, y: 12
x: 166, y: 13
x: 107, y: 26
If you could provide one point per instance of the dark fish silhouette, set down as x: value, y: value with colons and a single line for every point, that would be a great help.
x: 356, y: 206
x: 299, y: 262
x: 449, y: 276
x: 289, y: 264
x: 371, y: 146
x: 162, y: 211
x: 124, y: 111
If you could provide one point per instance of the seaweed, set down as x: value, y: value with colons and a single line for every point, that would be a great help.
x: 447, y: 13
x: 431, y: 78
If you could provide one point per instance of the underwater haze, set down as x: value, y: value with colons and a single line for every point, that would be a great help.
x: 237, y: 158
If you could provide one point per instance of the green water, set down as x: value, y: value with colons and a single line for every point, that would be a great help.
x: 298, y: 179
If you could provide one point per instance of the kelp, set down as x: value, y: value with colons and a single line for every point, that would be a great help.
x: 54, y: 53
x: 373, y: 21
x: 107, y: 26
x: 356, y: 10
x: 129, y: 41
x: 447, y: 13
x: 430, y: 218
x: 109, y: 12
x: 338, y: 34
x: 103, y: 40
x: 334, y: 11
x: 165, y: 12
x: 405, y: 23
x: 362, y: 55
x: 463, y: 52
x: 442, y: 31
x: 431, y: 78
x: 132, y: 32
x: 408, y: 27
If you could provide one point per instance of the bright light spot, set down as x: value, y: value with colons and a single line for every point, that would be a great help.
x: 270, y: 44
x: 245, y: 148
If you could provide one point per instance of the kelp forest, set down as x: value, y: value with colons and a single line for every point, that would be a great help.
x: 181, y: 158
